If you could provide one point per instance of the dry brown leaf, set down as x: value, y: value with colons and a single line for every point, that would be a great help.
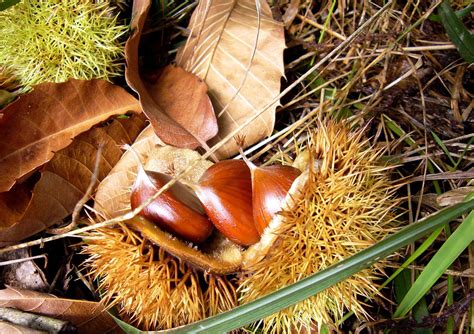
x: 14, y: 203
x: 113, y: 194
x: 184, y: 98
x: 190, y: 120
x: 65, y: 179
x: 25, y: 274
x: 88, y: 317
x: 291, y: 12
x: 454, y: 196
x: 47, y: 119
x: 7, y: 327
x: 237, y: 49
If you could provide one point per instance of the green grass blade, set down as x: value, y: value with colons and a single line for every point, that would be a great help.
x: 326, y: 22
x: 457, y: 32
x: 444, y: 257
x: 450, y: 292
x: 468, y: 145
x: 129, y: 329
x: 402, y: 285
x: 443, y: 147
x: 417, y: 253
x: 292, y: 294
x: 459, y: 13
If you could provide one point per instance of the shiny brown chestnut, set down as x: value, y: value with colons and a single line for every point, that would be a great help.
x: 270, y: 185
x: 177, y: 210
x: 225, y: 190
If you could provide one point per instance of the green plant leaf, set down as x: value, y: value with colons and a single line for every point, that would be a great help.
x: 4, y: 4
x: 459, y: 13
x: 402, y: 285
x: 417, y: 253
x: 128, y: 329
x: 443, y: 147
x: 457, y: 32
x: 451, y: 249
x: 292, y: 294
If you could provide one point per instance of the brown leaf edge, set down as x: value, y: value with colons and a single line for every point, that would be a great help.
x: 46, y: 120
x: 65, y: 179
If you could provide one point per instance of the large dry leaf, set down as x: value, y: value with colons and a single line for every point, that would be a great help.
x: 47, y: 119
x: 65, y: 179
x: 236, y: 47
x: 189, y: 121
x: 88, y: 317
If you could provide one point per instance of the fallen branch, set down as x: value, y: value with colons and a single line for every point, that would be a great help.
x: 36, y: 321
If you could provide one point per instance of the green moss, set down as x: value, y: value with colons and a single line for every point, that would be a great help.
x: 52, y: 41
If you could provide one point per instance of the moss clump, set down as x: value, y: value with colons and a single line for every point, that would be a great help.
x: 52, y: 41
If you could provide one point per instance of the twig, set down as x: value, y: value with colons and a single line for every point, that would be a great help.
x: 449, y: 46
x: 320, y: 26
x: 35, y: 321
x: 443, y: 176
x: 8, y: 327
x: 80, y: 204
x: 9, y: 262
x: 449, y: 272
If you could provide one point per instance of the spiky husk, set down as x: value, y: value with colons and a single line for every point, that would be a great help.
x: 347, y: 206
x: 52, y: 41
x: 151, y: 288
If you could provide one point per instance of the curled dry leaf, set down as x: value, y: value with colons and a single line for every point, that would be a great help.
x: 44, y: 121
x: 13, y: 203
x: 291, y: 12
x: 88, y: 317
x: 65, y: 179
x: 237, y: 49
x: 175, y: 101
